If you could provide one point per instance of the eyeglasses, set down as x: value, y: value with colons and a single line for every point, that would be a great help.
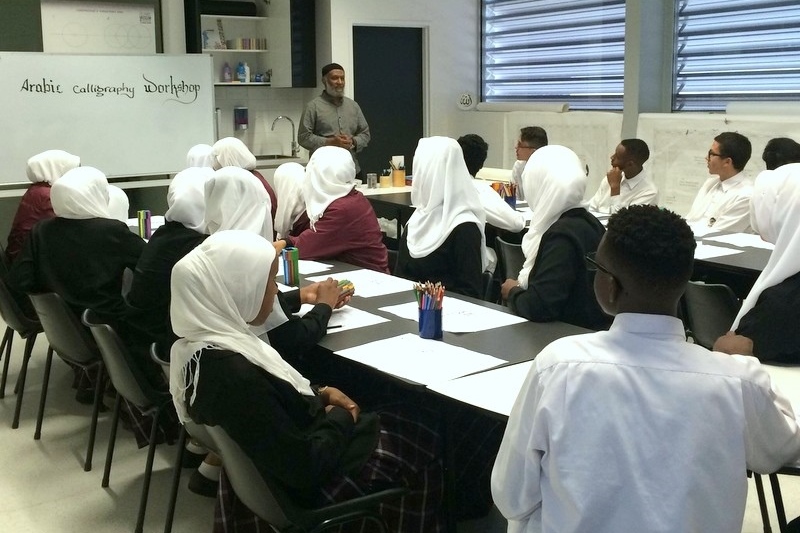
x: 712, y: 154
x: 521, y: 146
x: 593, y: 266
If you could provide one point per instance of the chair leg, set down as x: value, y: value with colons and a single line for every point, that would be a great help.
x: 23, y: 373
x: 148, y: 470
x: 8, y: 338
x: 776, y: 495
x: 176, y: 480
x: 98, y: 395
x: 112, y: 437
x: 762, y: 502
x: 43, y: 396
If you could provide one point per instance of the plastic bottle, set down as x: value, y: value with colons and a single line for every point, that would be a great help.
x: 246, y: 73
x: 227, y: 75
x: 240, y: 73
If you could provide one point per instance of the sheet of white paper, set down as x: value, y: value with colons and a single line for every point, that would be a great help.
x: 284, y: 288
x: 495, y: 390
x: 420, y: 360
x: 459, y: 316
x: 306, y: 267
x: 707, y: 251
x: 369, y: 283
x: 743, y: 239
x: 347, y: 318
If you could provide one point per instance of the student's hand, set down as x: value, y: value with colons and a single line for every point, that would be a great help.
x: 732, y: 343
x: 321, y: 292
x: 614, y: 177
x: 334, y: 397
x: 505, y: 288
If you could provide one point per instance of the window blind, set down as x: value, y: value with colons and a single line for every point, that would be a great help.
x: 735, y: 50
x: 554, y: 50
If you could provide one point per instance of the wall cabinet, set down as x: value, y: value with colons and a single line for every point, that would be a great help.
x: 278, y: 42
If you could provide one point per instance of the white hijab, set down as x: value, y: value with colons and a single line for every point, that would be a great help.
x: 50, y: 165
x: 232, y: 152
x: 200, y: 155
x: 330, y: 175
x: 554, y: 180
x: 775, y: 215
x: 288, y: 179
x: 444, y: 197
x: 118, y: 204
x: 81, y: 193
x: 185, y: 197
x: 216, y: 289
x: 235, y: 199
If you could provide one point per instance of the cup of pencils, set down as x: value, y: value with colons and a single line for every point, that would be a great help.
x: 429, y: 298
x: 507, y: 191
x: 291, y: 267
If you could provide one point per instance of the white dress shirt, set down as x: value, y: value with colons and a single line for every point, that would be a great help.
x: 637, y: 190
x: 516, y: 177
x: 722, y: 205
x: 634, y: 429
x: 498, y: 213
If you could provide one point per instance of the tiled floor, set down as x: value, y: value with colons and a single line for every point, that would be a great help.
x: 44, y: 489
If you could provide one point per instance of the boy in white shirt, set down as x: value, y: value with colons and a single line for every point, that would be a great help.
x: 627, y: 182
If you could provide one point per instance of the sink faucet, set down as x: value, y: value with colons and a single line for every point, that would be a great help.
x: 294, y: 142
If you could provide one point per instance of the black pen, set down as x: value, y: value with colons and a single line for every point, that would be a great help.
x: 333, y: 327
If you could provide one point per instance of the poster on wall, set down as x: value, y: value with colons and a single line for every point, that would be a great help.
x: 98, y: 28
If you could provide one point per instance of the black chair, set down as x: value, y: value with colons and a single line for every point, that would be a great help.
x: 131, y: 385
x: 276, y: 508
x: 709, y: 310
x: 28, y: 329
x: 510, y: 258
x: 70, y: 341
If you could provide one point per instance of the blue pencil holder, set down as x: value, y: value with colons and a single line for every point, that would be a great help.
x: 430, y: 324
x: 511, y: 200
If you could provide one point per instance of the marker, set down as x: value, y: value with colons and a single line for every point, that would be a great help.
x: 334, y: 327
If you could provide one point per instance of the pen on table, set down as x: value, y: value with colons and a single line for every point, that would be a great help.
x: 333, y: 327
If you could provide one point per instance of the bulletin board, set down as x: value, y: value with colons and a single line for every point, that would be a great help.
x: 593, y: 135
x: 679, y: 143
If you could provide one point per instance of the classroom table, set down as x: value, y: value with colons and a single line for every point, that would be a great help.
x: 739, y: 271
x: 394, y: 204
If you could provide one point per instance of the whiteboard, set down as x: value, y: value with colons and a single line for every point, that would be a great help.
x: 679, y: 143
x: 126, y: 115
x: 593, y: 135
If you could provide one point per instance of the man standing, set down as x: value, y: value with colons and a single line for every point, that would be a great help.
x: 634, y: 429
x: 627, y: 183
x: 332, y: 119
x: 723, y: 202
x: 531, y: 138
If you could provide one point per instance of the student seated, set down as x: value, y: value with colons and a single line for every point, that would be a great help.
x: 499, y: 214
x: 314, y: 443
x: 531, y: 138
x: 232, y: 152
x: 635, y: 429
x: 43, y: 170
x: 554, y: 283
x: 723, y: 202
x: 148, y: 298
x: 780, y: 151
x: 200, y: 155
x: 343, y: 225
x: 290, y: 218
x: 767, y: 323
x: 627, y: 182
x: 443, y: 240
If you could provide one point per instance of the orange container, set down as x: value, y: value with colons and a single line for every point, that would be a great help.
x: 398, y: 178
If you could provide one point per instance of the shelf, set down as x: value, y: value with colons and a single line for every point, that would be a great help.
x: 230, y: 50
x: 232, y: 17
x: 240, y: 84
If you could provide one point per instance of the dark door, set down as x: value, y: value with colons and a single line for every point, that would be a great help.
x: 387, y: 64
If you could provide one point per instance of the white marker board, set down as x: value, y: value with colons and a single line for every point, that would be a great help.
x: 126, y: 115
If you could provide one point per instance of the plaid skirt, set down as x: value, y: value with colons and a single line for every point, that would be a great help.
x: 408, y: 452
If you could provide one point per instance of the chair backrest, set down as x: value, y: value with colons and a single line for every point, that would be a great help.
x: 709, y: 311
x: 127, y: 378
x: 64, y: 332
x: 248, y: 484
x: 12, y: 314
x: 511, y: 258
